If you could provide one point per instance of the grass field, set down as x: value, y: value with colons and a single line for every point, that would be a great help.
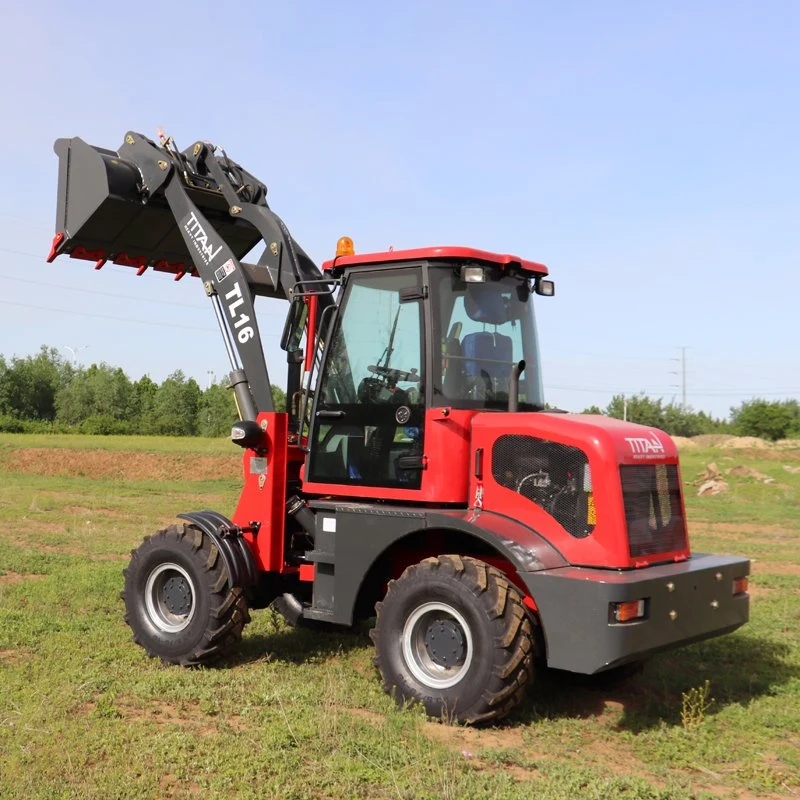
x: 84, y: 714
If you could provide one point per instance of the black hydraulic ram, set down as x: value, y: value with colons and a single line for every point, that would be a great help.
x: 192, y: 212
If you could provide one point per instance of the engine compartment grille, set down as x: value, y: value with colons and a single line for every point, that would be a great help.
x: 653, y: 511
x: 554, y: 476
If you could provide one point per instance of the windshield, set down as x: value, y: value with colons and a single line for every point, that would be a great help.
x: 484, y: 328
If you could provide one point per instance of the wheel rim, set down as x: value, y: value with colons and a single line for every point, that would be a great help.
x: 169, y: 598
x: 437, y: 645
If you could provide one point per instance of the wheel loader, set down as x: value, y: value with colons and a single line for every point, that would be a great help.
x: 417, y: 477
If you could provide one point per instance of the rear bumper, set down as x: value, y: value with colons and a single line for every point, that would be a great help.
x: 686, y: 602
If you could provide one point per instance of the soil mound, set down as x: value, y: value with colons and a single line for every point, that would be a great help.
x: 711, y: 439
x: 745, y: 443
x: 121, y: 465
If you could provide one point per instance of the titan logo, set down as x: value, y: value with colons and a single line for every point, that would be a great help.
x: 642, y: 446
x: 200, y: 238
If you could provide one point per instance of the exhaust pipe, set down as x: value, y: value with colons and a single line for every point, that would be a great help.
x: 513, y: 385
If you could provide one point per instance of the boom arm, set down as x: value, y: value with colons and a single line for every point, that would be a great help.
x: 196, y: 212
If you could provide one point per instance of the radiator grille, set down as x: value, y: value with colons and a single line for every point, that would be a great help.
x: 652, y: 497
x: 554, y: 476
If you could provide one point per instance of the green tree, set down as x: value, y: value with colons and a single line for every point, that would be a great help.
x: 279, y: 398
x: 175, y: 406
x: 640, y: 408
x: 767, y: 420
x: 671, y: 418
x: 99, y: 392
x: 144, y: 391
x: 28, y: 386
x: 216, y: 411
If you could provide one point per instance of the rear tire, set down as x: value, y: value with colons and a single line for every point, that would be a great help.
x: 179, y: 602
x: 453, y: 634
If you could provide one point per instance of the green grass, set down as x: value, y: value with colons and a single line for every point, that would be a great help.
x: 295, y: 714
x: 142, y: 444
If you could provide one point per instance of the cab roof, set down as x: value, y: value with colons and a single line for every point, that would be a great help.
x: 434, y: 253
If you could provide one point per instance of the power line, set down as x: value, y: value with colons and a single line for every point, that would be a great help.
x: 106, y: 316
x: 103, y: 294
x: 22, y: 253
x: 114, y: 317
x: 657, y: 393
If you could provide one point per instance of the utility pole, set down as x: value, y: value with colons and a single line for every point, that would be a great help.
x: 682, y: 374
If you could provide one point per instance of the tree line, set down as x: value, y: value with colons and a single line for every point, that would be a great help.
x: 766, y: 419
x: 47, y: 392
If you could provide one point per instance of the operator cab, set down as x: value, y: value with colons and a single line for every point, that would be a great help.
x: 416, y: 332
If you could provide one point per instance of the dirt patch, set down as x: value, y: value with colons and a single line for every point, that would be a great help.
x: 162, y: 714
x: 84, y: 512
x: 711, y: 439
x: 471, y: 740
x: 711, y: 481
x: 42, y: 547
x: 741, y: 471
x: 13, y: 657
x: 10, y: 578
x: 775, y: 568
x: 745, y: 443
x: 173, y: 786
x: 472, y: 745
x: 123, y: 465
x: 751, y: 446
x: 740, y: 528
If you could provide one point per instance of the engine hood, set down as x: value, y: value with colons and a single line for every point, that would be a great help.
x: 602, y: 491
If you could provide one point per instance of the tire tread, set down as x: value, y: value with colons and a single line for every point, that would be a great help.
x: 502, y: 604
x: 228, y: 612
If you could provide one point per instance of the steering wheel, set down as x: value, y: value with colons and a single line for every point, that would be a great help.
x: 394, y: 376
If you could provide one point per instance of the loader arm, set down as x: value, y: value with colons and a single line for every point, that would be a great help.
x: 197, y: 212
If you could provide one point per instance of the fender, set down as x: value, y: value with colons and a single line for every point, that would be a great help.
x: 352, y: 537
x: 236, y: 555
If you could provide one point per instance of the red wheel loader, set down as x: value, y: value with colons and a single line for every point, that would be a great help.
x: 417, y: 476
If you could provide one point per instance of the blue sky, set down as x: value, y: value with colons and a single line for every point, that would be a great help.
x: 647, y: 152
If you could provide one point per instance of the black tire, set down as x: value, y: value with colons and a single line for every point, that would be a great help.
x: 178, y: 599
x: 453, y: 634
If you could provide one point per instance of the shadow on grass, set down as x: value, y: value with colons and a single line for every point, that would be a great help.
x: 298, y: 645
x: 739, y: 669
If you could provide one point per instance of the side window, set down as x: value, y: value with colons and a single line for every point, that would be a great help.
x: 370, y: 414
x: 483, y: 329
x: 376, y: 353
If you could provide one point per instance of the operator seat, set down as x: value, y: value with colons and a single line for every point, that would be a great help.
x: 487, y: 355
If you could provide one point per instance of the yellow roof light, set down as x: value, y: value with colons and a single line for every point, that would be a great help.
x: 344, y: 247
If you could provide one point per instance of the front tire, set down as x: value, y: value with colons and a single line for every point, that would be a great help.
x: 453, y: 634
x: 179, y: 603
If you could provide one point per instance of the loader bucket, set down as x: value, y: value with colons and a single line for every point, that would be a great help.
x: 103, y: 214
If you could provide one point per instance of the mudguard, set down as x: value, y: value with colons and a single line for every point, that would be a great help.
x: 232, y: 547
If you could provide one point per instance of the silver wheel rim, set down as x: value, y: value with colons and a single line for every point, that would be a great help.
x: 416, y: 653
x: 172, y: 578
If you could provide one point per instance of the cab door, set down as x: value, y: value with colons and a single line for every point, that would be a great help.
x: 368, y: 424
